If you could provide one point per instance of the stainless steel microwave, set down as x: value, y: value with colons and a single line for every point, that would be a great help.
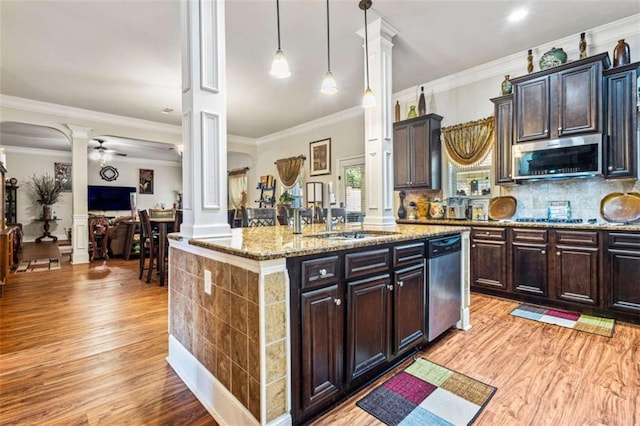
x: 578, y: 156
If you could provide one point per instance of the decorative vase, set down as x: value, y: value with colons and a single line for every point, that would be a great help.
x: 621, y: 54
x: 422, y: 105
x: 582, y: 46
x: 529, y: 60
x: 397, y: 111
x: 553, y: 58
x: 506, y: 85
x: 402, y: 212
x: 412, y: 112
x: 46, y: 212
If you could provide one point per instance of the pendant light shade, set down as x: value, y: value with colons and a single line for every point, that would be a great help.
x: 279, y: 66
x: 368, y: 100
x: 329, y: 86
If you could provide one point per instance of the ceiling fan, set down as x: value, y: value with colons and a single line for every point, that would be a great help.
x: 103, y: 154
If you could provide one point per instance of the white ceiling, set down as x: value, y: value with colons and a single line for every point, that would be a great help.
x: 123, y: 56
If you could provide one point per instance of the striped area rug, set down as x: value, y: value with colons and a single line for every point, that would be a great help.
x: 39, y: 265
x: 574, y: 320
x: 426, y: 393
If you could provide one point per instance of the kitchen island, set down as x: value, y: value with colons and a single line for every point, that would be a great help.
x: 230, y: 315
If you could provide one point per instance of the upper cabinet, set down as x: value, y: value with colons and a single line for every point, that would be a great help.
x: 417, y: 153
x: 503, y: 113
x: 621, y: 142
x: 561, y: 101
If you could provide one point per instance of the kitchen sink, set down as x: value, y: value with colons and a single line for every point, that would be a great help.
x: 351, y: 235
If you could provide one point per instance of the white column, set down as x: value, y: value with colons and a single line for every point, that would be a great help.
x: 378, y: 124
x: 204, y: 119
x: 79, y: 144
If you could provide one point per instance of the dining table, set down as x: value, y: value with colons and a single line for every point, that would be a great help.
x: 162, y: 224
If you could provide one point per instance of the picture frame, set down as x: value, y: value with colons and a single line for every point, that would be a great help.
x: 320, y: 154
x: 62, y: 173
x: 145, y: 181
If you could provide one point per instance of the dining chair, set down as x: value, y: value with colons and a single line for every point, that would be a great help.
x: 148, y: 246
x: 260, y: 217
x: 231, y: 217
x: 98, y: 237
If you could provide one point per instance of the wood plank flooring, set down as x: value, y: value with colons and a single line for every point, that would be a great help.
x: 87, y: 345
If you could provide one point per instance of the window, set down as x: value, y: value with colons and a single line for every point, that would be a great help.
x: 353, y: 180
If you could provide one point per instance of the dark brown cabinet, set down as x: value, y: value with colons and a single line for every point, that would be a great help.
x: 353, y: 314
x: 503, y: 113
x: 529, y: 261
x: 621, y: 142
x: 489, y: 258
x: 321, y: 346
x: 562, y: 101
x: 417, y: 153
x: 622, y: 290
x: 410, y: 326
x: 576, y: 266
x: 368, y: 324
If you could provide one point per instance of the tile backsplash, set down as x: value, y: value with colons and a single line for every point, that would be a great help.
x: 584, y: 195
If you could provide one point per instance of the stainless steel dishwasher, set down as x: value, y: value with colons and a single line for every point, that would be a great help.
x: 444, y: 285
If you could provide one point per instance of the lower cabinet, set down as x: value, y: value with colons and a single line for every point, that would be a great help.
x: 321, y: 346
x: 354, y: 315
x: 529, y: 253
x: 577, y: 266
x: 623, y: 272
x: 489, y: 258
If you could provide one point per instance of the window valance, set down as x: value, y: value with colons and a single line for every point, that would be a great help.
x: 289, y: 169
x: 469, y: 143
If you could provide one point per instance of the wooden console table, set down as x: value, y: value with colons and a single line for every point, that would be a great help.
x: 46, y: 233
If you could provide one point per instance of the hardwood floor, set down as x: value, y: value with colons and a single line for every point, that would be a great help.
x: 87, y: 345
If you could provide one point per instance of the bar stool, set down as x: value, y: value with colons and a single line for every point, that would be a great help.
x: 148, y: 246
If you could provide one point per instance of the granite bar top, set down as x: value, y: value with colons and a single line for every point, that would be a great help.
x: 634, y: 227
x: 273, y: 242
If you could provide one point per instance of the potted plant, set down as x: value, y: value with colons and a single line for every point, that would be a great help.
x: 284, y: 204
x: 45, y: 190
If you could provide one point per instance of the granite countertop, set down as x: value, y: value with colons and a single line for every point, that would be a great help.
x: 512, y: 223
x: 272, y: 242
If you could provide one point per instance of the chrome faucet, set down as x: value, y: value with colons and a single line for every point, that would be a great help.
x: 329, y: 219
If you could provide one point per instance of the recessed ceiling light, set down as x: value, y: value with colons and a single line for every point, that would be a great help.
x: 518, y: 15
x: 167, y: 110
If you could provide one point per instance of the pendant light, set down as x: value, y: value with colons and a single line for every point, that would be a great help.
x: 279, y: 66
x: 368, y: 100
x: 328, y: 82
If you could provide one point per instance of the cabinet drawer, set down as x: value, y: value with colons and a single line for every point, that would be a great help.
x: 486, y: 233
x: 588, y: 238
x: 366, y: 262
x: 408, y: 253
x: 623, y: 240
x: 530, y: 235
x: 318, y: 272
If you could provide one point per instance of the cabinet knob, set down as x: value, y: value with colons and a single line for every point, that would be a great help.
x: 509, y: 175
x: 322, y: 272
x: 487, y: 233
x: 559, y: 129
x: 610, y: 168
x: 546, y: 131
x: 558, y: 253
x: 473, y: 245
x: 543, y: 252
x: 338, y: 302
x: 390, y: 287
x: 400, y: 283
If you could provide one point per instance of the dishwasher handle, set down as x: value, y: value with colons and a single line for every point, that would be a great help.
x: 443, y: 246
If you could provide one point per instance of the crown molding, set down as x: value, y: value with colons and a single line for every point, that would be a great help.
x: 601, y: 39
x: 31, y: 105
x: 38, y: 151
x: 242, y: 140
x: 343, y: 115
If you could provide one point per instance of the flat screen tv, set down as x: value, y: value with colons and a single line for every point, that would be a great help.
x: 109, y: 197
